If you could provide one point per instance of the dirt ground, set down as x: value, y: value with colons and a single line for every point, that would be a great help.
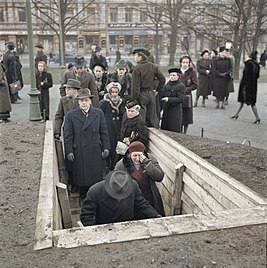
x: 21, y: 147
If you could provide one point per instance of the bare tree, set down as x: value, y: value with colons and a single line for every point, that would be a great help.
x: 54, y: 15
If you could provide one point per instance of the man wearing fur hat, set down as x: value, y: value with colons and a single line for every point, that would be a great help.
x: 86, y: 142
x: 115, y: 199
x: 143, y: 75
x: 87, y: 79
x: 40, y: 55
x: 113, y: 109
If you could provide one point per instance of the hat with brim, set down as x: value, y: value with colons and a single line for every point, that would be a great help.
x: 121, y: 64
x: 84, y: 93
x: 10, y: 46
x: 118, y: 184
x: 173, y: 70
x: 73, y: 83
x: 79, y: 62
x: 39, y: 46
x: 113, y: 85
x: 144, y: 52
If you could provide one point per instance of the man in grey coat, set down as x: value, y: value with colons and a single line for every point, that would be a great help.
x: 86, y: 142
x: 116, y: 199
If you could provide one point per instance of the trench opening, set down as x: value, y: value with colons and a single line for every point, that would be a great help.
x: 196, y: 196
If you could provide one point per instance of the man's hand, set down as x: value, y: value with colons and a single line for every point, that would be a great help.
x: 105, y: 153
x: 70, y: 157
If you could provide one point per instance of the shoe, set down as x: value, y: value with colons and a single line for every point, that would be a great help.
x: 222, y: 107
x: 6, y: 120
x: 234, y: 117
x: 258, y: 121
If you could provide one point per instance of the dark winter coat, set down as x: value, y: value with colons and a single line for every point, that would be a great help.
x: 155, y: 174
x: 113, y: 116
x: 86, y: 138
x: 65, y: 105
x: 9, y: 61
x: 40, y: 56
x: 221, y: 69
x: 95, y: 60
x: 100, y: 208
x: 248, y: 84
x: 189, y: 79
x: 172, y: 110
x: 204, y: 79
x: 44, y: 90
x: 135, y: 128
x: 101, y: 84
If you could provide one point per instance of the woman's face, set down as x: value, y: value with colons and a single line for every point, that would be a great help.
x: 135, y: 156
x: 132, y: 112
x: 174, y: 76
x: 85, y: 103
x: 185, y: 63
x: 205, y: 56
x: 114, y: 92
x: 40, y: 67
x: 98, y: 71
x: 121, y: 71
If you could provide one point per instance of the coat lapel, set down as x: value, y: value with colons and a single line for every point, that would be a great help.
x: 90, y: 118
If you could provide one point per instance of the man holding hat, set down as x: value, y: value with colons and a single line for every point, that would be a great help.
x: 40, y: 55
x: 116, y: 199
x: 143, y: 75
x: 86, y: 141
x: 87, y: 79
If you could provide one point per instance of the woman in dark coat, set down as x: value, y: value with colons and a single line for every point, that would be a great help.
x: 85, y: 138
x: 113, y: 110
x: 248, y: 86
x: 101, y: 78
x: 204, y: 77
x: 188, y: 77
x: 44, y: 81
x: 145, y: 170
x: 5, y: 102
x: 133, y: 127
x: 172, y: 97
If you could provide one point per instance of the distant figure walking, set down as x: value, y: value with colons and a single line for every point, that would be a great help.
x: 263, y: 58
x: 248, y: 86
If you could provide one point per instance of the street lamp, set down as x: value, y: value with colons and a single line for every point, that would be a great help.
x: 34, y: 114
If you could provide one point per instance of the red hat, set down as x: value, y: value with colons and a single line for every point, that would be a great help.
x: 136, y: 146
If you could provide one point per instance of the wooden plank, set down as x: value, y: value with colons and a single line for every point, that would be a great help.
x: 188, y: 205
x: 64, y: 203
x: 204, y: 196
x: 44, y: 217
x: 166, y: 226
x: 238, y: 193
x: 63, y: 175
x: 166, y: 196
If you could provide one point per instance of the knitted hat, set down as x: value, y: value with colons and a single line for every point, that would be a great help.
x: 112, y: 85
x: 136, y: 146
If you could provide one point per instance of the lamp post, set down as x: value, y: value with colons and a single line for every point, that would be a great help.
x: 34, y: 114
x: 61, y: 41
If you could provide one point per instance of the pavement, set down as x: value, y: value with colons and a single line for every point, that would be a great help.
x: 216, y: 124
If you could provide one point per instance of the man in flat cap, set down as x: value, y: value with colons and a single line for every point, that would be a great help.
x: 40, y: 55
x: 80, y: 73
x: 118, y: 198
x: 143, y: 76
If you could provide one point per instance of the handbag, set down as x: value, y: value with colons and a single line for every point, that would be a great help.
x: 187, y: 103
x: 121, y: 148
x: 15, y: 87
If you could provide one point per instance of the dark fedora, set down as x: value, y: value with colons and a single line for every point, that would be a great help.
x: 84, y: 93
x: 10, y: 46
x: 98, y: 49
x: 142, y: 51
x: 73, y: 83
x: 173, y: 70
x: 79, y: 62
x: 118, y: 184
x: 39, y: 46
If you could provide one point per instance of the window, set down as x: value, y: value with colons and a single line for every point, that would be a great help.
x: 128, y: 14
x: 2, y: 14
x: 113, y: 15
x: 22, y: 14
x: 91, y: 13
x: 143, y: 17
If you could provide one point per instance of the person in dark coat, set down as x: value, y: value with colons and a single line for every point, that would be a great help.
x: 19, y: 74
x: 40, y: 55
x: 86, y: 142
x: 44, y: 81
x: 145, y: 170
x: 113, y: 110
x: 99, y: 72
x: 144, y: 74
x: 11, y: 69
x: 221, y: 68
x: 172, y: 97
x: 87, y: 79
x: 248, y: 86
x: 116, y: 199
x: 97, y: 58
x: 188, y: 77
x: 263, y: 58
x: 133, y: 126
x: 204, y: 77
x: 5, y: 103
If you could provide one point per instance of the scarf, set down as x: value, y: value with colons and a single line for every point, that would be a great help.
x: 183, y: 70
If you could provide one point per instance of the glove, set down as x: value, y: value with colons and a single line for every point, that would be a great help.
x: 70, y: 157
x: 145, y: 162
x: 57, y: 136
x: 105, y: 153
